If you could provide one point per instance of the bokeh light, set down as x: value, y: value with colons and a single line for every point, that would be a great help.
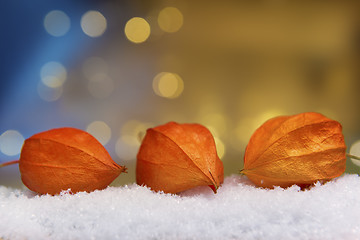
x: 100, y: 130
x: 49, y: 94
x: 93, y: 23
x: 131, y: 135
x: 137, y: 30
x: 355, y: 151
x: 170, y: 19
x: 57, y: 23
x: 168, y: 85
x: 126, y: 148
x: 11, y: 142
x: 242, y: 133
x: 53, y: 74
x: 135, y: 128
x: 100, y: 86
x: 220, y: 147
x: 215, y: 122
x: 246, y: 126
x: 93, y: 66
x: 266, y: 115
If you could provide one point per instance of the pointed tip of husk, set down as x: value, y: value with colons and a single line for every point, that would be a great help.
x: 123, y: 169
x: 214, y: 187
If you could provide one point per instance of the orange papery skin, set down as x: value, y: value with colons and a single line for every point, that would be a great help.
x: 176, y: 157
x: 299, y: 149
x: 66, y: 158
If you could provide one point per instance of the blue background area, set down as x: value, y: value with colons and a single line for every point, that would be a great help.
x: 25, y: 48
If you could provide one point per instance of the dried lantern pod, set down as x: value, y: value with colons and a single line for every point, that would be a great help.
x: 176, y: 157
x: 66, y: 158
x: 300, y: 149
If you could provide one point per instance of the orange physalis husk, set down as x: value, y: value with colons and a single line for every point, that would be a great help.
x: 300, y: 149
x: 66, y: 158
x: 176, y: 157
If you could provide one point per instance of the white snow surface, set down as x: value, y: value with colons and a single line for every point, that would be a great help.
x: 238, y: 211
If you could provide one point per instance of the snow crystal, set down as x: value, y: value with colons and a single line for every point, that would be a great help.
x: 238, y: 211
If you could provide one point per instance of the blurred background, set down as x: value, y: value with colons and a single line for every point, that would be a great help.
x: 116, y: 68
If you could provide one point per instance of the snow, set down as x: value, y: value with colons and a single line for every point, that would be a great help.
x: 238, y: 211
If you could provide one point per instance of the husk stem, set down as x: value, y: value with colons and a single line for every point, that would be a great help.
x: 353, y: 156
x: 9, y: 163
